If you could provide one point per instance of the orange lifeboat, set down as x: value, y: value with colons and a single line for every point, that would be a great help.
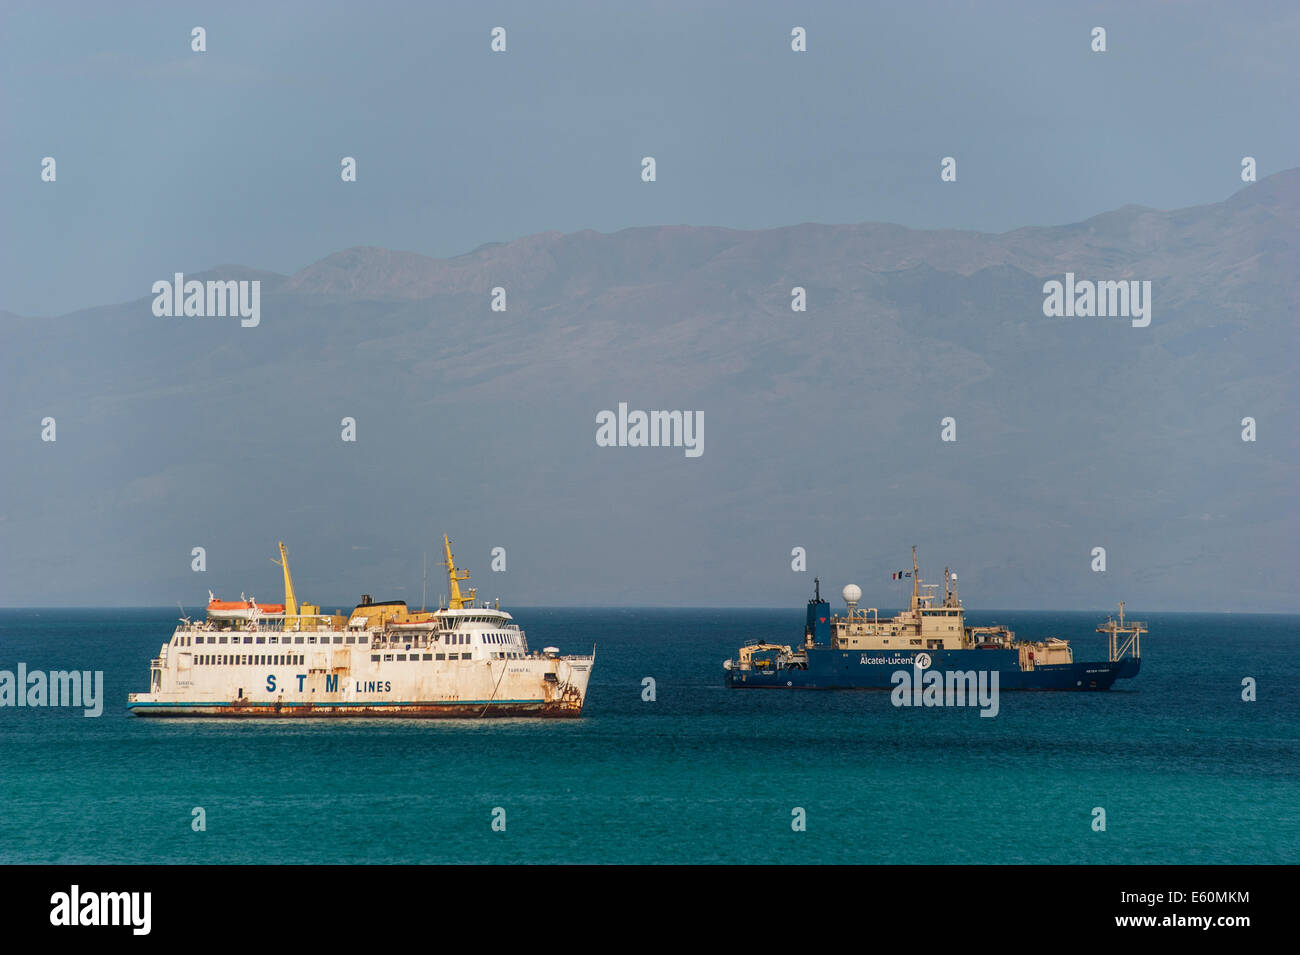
x: 240, y: 609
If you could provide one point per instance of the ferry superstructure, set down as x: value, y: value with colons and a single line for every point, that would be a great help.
x: 465, y: 659
x: 860, y: 650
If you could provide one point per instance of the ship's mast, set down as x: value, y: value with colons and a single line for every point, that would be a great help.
x: 916, y: 581
x: 290, y: 598
x: 454, y: 600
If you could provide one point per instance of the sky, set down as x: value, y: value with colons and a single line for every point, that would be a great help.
x: 171, y: 158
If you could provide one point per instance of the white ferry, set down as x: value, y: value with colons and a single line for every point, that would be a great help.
x: 464, y: 659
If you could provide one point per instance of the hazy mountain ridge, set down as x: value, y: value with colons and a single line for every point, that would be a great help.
x: 821, y: 428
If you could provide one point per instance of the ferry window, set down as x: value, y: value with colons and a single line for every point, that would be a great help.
x: 440, y: 656
x: 221, y: 639
x: 428, y: 656
x: 311, y: 639
x: 351, y: 640
x: 297, y: 639
x: 261, y: 639
x: 388, y: 656
x: 453, y: 656
x: 401, y: 656
x: 248, y: 639
x: 374, y: 658
x: 338, y: 639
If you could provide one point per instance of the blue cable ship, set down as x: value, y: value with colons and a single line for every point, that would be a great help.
x: 860, y: 650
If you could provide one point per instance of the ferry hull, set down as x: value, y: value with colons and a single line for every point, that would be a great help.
x: 423, y: 711
x: 829, y: 669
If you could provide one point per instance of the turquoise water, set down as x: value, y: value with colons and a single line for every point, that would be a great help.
x: 1186, y: 771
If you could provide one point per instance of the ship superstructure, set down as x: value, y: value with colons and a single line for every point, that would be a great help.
x: 859, y: 649
x: 465, y: 659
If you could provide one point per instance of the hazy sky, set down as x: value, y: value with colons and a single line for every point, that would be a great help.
x: 170, y: 159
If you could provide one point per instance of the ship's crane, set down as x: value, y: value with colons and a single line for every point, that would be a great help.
x: 290, y: 598
x: 1131, y: 633
x: 454, y: 600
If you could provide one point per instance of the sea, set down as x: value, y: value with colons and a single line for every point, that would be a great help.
x: 668, y: 766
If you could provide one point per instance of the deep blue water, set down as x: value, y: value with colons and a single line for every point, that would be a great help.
x: 1186, y: 771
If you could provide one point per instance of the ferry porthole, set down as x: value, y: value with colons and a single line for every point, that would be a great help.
x: 789, y: 682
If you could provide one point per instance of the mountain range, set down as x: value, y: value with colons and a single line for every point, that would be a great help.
x: 822, y: 428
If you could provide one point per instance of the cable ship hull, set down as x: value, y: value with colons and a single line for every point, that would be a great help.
x: 828, y: 669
